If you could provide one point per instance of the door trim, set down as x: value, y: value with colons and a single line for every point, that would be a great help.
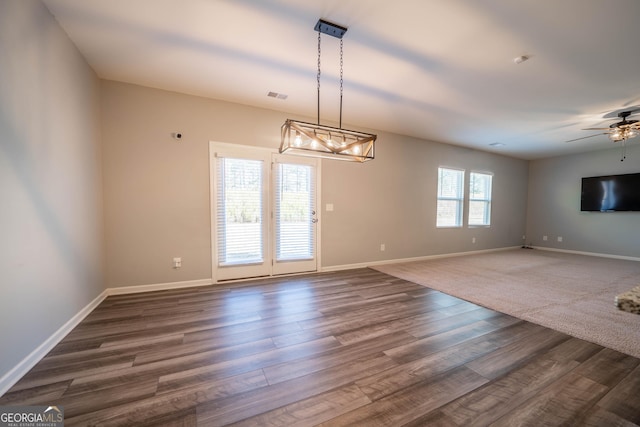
x: 214, y: 147
x: 294, y: 266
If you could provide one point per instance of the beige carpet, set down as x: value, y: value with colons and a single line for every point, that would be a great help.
x: 570, y: 293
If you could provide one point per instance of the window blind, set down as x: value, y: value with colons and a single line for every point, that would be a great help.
x: 239, y: 212
x: 450, y: 197
x: 295, y: 193
x: 480, y: 198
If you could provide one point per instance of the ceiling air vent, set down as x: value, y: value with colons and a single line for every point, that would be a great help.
x: 277, y: 95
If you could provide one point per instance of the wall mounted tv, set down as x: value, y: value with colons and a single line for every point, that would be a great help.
x: 611, y: 193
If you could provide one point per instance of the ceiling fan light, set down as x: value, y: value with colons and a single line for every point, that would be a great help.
x: 632, y: 133
x: 615, y: 136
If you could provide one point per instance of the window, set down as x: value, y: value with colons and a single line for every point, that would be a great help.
x: 295, y: 194
x: 480, y: 198
x: 240, y: 213
x: 450, y: 197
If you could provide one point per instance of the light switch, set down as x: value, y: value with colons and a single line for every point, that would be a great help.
x: 329, y: 207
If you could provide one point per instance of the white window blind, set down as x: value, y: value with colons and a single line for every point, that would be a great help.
x: 480, y: 198
x: 295, y: 193
x: 239, y: 213
x: 450, y: 197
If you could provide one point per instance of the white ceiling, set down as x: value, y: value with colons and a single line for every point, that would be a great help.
x: 440, y: 70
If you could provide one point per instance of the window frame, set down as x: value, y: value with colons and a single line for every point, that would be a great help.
x: 487, y: 200
x: 459, y: 198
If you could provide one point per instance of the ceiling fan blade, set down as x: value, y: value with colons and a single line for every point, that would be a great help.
x: 585, y: 137
x: 596, y: 129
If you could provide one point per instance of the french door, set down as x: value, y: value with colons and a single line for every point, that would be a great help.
x: 263, y: 212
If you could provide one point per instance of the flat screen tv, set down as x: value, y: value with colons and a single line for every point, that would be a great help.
x: 611, y: 193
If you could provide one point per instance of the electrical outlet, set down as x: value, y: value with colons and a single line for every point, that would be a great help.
x: 473, y: 240
x: 559, y: 238
x: 544, y: 238
x: 177, y: 262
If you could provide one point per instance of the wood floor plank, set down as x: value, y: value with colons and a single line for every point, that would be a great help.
x: 383, y: 325
x: 341, y: 324
x: 437, y: 363
x: 333, y: 357
x: 512, y: 356
x: 179, y: 365
x: 565, y: 399
x: 265, y: 328
x: 311, y: 411
x: 186, y: 418
x: 451, y: 322
x: 412, y: 402
x: 236, y: 408
x: 234, y: 366
x: 598, y: 417
x: 574, y: 349
x: 35, y: 379
x: 77, y: 404
x: 623, y: 400
x: 432, y: 419
x: 34, y: 395
x: 439, y: 341
x: 487, y: 404
x: 163, y: 405
x: 608, y: 367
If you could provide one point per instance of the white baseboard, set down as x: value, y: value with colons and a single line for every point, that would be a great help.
x: 158, y: 287
x: 400, y: 260
x: 13, y: 376
x: 628, y: 258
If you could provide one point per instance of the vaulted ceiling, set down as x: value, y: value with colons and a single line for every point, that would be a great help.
x: 441, y: 70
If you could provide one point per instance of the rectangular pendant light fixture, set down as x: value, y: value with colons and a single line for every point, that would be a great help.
x: 308, y: 139
x: 316, y: 140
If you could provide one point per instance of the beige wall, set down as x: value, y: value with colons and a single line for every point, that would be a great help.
x: 392, y: 200
x: 554, y: 205
x: 51, y: 244
x: 157, y: 189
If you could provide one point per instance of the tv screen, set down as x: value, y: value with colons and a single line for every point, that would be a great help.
x: 611, y: 193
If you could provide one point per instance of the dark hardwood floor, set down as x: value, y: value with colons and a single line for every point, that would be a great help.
x: 346, y: 348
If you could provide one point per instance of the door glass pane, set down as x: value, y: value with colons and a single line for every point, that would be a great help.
x: 240, y: 211
x: 294, y: 212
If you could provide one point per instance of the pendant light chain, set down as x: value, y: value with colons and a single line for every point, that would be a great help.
x: 341, y: 76
x: 341, y: 62
x: 319, y: 54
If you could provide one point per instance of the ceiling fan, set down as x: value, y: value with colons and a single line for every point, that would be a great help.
x: 620, y: 131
